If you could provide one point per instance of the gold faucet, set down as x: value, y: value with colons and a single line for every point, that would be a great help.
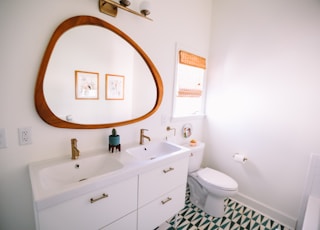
x: 142, y: 136
x: 74, y: 149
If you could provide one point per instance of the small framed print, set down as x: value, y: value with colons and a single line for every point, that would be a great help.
x: 114, y: 87
x: 87, y: 85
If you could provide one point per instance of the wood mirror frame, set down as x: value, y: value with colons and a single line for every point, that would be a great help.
x: 40, y: 102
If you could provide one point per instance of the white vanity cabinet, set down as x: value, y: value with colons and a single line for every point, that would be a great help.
x: 94, y: 210
x: 140, y: 195
x: 161, y: 193
x: 127, y: 222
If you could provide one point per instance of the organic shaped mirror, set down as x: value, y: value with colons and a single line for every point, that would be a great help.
x: 94, y: 76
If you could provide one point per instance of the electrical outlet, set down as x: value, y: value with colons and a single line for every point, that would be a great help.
x: 3, y: 139
x: 25, y: 136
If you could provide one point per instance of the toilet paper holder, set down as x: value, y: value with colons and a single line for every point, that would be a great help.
x: 239, y: 158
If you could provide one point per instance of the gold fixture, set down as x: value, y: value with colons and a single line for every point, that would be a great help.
x: 142, y: 136
x: 169, y: 128
x: 110, y: 7
x: 74, y: 149
x: 166, y: 200
x: 125, y: 3
x: 168, y: 170
x: 92, y: 200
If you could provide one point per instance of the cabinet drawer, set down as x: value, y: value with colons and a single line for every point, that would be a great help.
x: 157, y: 212
x: 93, y: 210
x: 161, y: 180
x: 127, y: 222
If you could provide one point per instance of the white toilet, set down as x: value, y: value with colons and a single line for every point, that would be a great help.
x: 208, y: 187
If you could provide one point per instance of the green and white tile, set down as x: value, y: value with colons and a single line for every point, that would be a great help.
x: 237, y: 217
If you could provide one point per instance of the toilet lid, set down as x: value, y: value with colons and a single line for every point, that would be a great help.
x: 217, y: 179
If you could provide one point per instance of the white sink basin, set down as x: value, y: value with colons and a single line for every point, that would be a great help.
x: 153, y: 150
x: 56, y: 180
x: 70, y: 171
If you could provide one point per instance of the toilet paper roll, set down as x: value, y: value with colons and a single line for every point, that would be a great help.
x: 240, y: 158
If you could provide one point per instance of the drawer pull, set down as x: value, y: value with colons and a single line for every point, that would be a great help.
x: 168, y: 170
x: 92, y: 200
x: 166, y: 200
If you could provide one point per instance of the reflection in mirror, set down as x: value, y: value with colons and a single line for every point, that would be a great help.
x: 81, y: 55
x: 108, y: 54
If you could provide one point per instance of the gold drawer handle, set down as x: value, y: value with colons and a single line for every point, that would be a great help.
x: 168, y: 170
x: 92, y: 200
x: 166, y: 200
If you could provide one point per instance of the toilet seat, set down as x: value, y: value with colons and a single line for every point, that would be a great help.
x: 217, y: 179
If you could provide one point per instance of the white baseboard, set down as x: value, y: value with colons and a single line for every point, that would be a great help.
x: 274, y: 214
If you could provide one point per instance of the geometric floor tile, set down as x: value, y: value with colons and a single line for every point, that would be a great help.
x: 237, y: 217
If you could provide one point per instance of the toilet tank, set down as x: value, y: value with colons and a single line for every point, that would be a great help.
x: 196, y: 156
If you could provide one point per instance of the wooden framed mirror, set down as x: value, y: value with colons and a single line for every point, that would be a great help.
x: 82, y: 37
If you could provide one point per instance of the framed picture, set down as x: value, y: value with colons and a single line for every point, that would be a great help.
x: 114, y: 87
x: 87, y: 85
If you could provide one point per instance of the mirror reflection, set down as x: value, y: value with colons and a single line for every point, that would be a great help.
x: 93, y: 75
x: 97, y: 53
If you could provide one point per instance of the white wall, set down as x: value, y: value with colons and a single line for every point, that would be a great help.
x: 25, y: 31
x: 264, y: 97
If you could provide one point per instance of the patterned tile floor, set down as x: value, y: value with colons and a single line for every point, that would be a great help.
x: 237, y: 217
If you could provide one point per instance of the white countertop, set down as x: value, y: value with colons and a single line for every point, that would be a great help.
x: 44, y: 198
